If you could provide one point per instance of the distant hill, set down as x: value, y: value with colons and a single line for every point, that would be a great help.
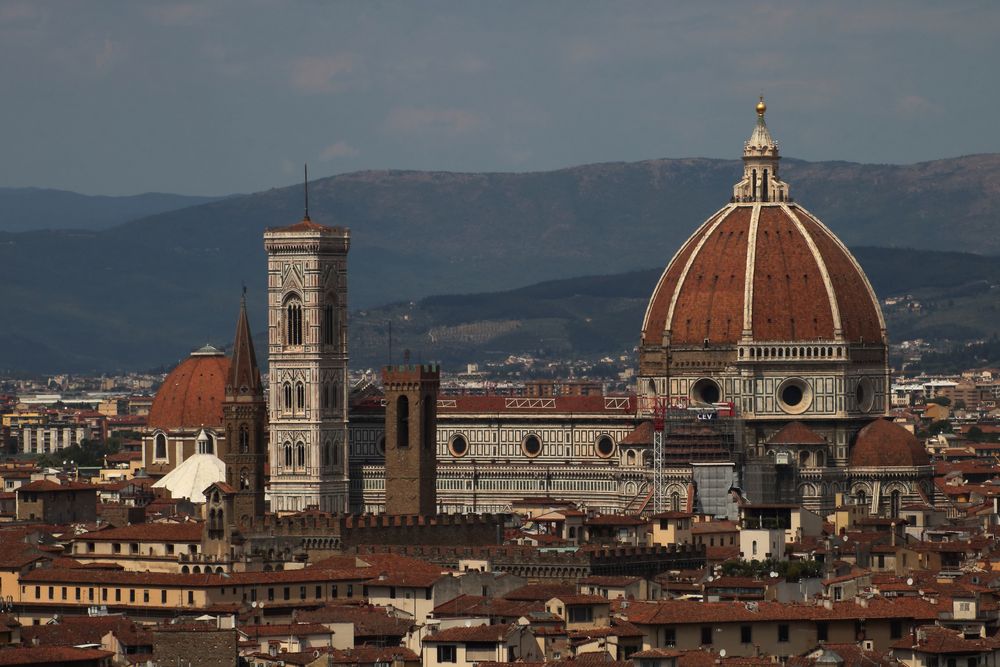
x: 144, y: 293
x: 598, y: 316
x: 31, y: 209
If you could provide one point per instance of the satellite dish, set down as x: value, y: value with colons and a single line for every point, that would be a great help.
x: 722, y: 653
x: 909, y: 581
x: 254, y: 604
x: 710, y: 578
x: 774, y: 575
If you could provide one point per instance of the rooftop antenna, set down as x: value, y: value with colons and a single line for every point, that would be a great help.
x: 305, y: 169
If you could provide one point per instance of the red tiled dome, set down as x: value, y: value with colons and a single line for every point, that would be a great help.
x: 883, y: 443
x: 804, y: 285
x: 192, y: 394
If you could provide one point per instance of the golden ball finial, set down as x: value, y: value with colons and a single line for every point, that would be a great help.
x: 761, y: 107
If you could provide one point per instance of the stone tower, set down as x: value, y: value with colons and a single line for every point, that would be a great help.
x: 411, y: 438
x: 245, y: 416
x: 307, y: 346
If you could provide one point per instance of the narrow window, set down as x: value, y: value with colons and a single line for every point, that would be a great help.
x: 300, y: 396
x: 430, y: 432
x: 753, y: 181
x: 288, y: 455
x: 402, y: 422
x: 301, y: 454
x: 706, y: 635
x: 763, y: 187
x: 161, y: 446
x: 244, y: 439
x: 288, y: 396
x: 328, y: 328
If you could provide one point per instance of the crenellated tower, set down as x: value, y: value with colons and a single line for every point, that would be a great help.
x: 307, y: 347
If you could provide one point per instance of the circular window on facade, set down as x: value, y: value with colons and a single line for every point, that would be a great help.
x: 794, y: 396
x: 605, y: 446
x: 864, y: 393
x: 459, y: 446
x: 706, y: 391
x: 531, y: 446
x: 381, y: 445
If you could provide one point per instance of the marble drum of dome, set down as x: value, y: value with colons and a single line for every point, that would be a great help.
x: 763, y: 307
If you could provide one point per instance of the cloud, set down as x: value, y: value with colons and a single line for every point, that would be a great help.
x: 338, y: 150
x: 315, y: 74
x: 17, y: 11
x: 916, y: 106
x: 177, y: 13
x: 453, y: 121
x: 104, y: 57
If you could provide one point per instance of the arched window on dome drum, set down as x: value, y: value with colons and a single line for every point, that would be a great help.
x: 244, y: 439
x: 300, y: 396
x: 288, y: 455
x: 894, y: 502
x: 288, y: 397
x: 293, y: 323
x: 402, y: 422
x: 160, y: 446
x: 301, y: 455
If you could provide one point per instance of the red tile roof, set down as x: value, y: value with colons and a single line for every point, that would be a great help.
x: 50, y: 655
x: 187, y: 531
x: 475, y: 633
x: 192, y: 394
x: 702, y: 290
x: 796, y: 433
x: 883, y: 443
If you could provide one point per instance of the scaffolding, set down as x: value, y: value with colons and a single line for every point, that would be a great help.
x: 686, y: 434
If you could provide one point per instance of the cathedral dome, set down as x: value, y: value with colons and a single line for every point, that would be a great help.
x: 883, y: 443
x: 762, y: 269
x: 192, y: 394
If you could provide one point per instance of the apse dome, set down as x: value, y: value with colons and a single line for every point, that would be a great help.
x: 191, y: 396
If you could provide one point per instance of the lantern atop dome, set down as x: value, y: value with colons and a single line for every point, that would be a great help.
x: 760, y: 181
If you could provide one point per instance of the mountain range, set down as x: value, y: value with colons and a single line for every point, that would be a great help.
x: 143, y: 293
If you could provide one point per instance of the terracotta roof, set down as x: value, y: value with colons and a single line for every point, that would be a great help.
x: 579, y: 599
x: 883, y: 443
x: 937, y: 640
x: 15, y: 555
x: 642, y: 435
x: 614, y: 520
x: 678, y: 612
x: 77, y: 630
x: 796, y: 433
x: 369, y: 621
x: 50, y: 655
x: 609, y: 581
x: 192, y: 394
x: 284, y: 630
x: 705, y: 284
x: 47, y: 485
x: 372, y: 654
x: 188, y: 531
x: 540, y: 592
x: 475, y: 633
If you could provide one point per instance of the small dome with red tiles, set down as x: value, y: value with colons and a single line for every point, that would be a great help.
x: 192, y: 394
x: 885, y: 444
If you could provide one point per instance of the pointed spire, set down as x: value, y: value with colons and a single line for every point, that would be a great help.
x: 244, y: 375
x: 305, y: 169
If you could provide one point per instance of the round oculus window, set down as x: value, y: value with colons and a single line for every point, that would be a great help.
x: 605, y: 446
x: 531, y: 446
x: 706, y: 391
x: 794, y: 396
x: 458, y: 446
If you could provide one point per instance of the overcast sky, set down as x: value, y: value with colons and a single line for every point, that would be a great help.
x: 220, y: 97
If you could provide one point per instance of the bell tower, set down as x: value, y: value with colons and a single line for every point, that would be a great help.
x: 411, y: 438
x: 245, y: 415
x: 307, y: 355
